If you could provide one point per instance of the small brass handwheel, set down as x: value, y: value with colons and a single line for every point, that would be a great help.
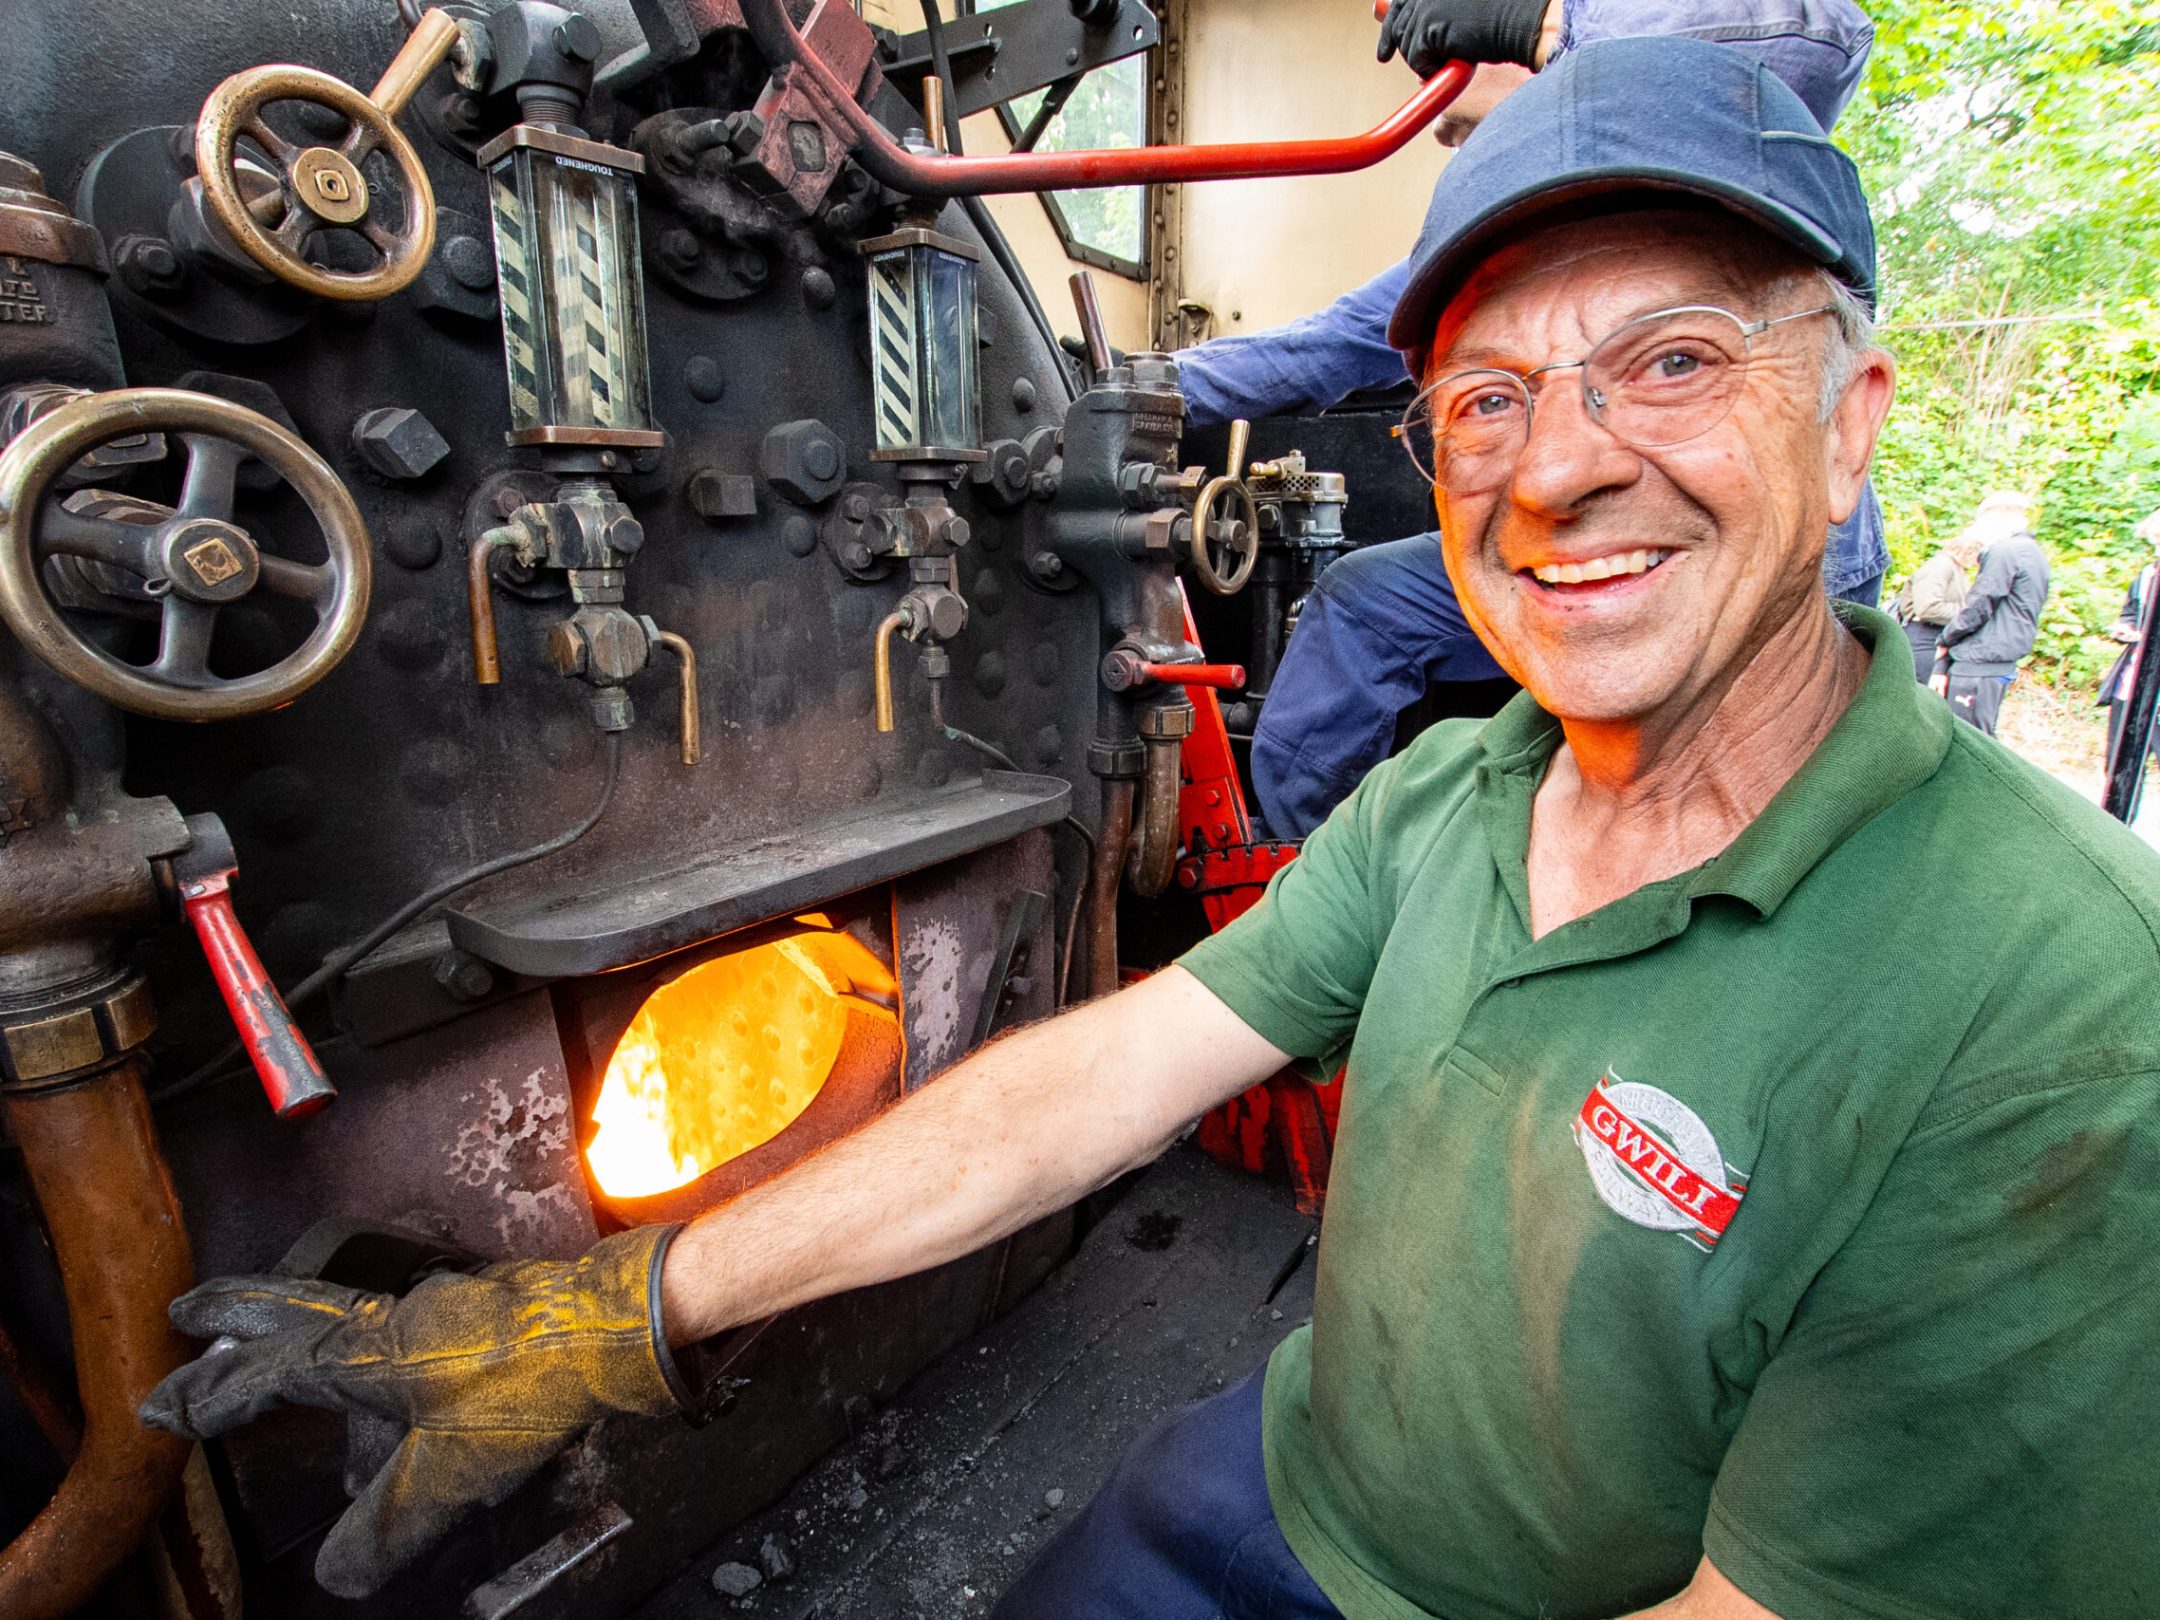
x: 322, y: 186
x: 190, y: 560
x: 1224, y: 547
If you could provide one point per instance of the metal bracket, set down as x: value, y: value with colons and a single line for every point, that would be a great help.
x: 998, y: 55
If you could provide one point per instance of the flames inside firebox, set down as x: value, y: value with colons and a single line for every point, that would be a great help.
x: 718, y: 1060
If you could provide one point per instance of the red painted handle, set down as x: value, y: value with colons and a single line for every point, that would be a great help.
x: 937, y: 175
x: 1223, y: 677
x: 291, y: 1073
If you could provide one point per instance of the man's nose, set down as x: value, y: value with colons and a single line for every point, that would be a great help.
x: 1568, y: 457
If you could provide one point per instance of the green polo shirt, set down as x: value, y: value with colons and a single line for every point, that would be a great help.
x: 1802, y: 1209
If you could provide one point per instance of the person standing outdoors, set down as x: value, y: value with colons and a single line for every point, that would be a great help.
x: 1977, y: 656
x: 1932, y: 597
x: 2128, y: 627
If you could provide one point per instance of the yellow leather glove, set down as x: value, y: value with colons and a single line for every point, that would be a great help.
x: 490, y: 1375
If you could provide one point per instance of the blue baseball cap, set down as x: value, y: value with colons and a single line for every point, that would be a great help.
x: 1643, y: 115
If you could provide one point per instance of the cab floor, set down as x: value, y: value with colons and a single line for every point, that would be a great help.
x: 1188, y: 1282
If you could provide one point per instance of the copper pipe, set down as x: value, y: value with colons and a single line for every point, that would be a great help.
x: 1155, y: 834
x: 795, y: 65
x: 116, y: 1232
x: 480, y: 603
x: 933, y: 110
x: 881, y: 664
x: 1103, y: 880
x: 687, y: 679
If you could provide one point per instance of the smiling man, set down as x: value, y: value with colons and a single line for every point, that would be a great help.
x: 1743, y: 1204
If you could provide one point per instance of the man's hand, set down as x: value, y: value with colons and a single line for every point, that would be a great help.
x: 488, y: 1376
x: 1430, y: 33
x: 1939, y: 683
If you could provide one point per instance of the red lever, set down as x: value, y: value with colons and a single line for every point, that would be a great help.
x: 936, y: 175
x: 290, y: 1071
x: 1223, y: 677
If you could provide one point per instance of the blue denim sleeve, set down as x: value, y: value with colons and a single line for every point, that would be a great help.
x: 1819, y: 47
x: 1856, y: 553
x: 1382, y: 624
x: 1305, y: 366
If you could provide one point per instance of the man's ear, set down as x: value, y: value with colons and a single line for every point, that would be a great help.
x: 1853, y: 428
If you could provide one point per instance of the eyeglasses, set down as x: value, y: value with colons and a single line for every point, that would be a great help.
x: 1659, y: 380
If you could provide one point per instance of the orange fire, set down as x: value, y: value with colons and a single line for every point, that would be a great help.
x: 717, y: 1062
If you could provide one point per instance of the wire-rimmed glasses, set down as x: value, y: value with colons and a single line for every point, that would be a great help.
x: 1661, y: 379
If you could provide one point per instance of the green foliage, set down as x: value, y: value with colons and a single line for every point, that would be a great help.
x: 1109, y: 108
x: 2008, y: 150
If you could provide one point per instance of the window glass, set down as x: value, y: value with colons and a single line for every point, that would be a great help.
x: 1108, y: 108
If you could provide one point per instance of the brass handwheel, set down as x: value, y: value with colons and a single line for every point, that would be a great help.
x: 190, y: 562
x: 1225, y: 548
x: 323, y: 187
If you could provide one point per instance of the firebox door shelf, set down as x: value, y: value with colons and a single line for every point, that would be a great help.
x: 607, y: 921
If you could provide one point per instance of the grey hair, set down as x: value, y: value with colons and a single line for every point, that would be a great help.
x: 1852, y: 339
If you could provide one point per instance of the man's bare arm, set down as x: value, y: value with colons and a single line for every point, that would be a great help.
x: 1709, y: 1596
x: 1021, y: 1128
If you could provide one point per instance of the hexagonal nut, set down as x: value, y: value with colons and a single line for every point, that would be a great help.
x: 463, y: 976
x: 619, y: 646
x: 1002, y: 475
x: 623, y: 534
x: 945, y: 614
x: 567, y: 650
x: 715, y: 495
x: 398, y: 442
x: 804, y: 461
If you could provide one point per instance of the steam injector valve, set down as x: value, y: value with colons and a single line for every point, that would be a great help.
x: 590, y: 535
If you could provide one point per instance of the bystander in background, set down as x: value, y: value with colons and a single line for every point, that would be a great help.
x: 2116, y: 683
x: 1980, y: 649
x: 1932, y: 597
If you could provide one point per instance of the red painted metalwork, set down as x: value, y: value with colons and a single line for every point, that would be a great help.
x: 1285, y: 1120
x: 290, y: 1072
x: 929, y: 174
x: 1222, y: 677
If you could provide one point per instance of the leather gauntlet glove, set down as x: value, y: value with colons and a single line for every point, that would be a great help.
x: 488, y: 1376
x: 1431, y: 33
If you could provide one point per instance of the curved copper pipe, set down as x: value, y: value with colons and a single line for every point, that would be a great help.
x: 687, y: 693
x: 1104, y: 877
x: 881, y: 664
x: 114, y: 1220
x: 480, y: 602
x: 1153, y: 856
x: 938, y: 175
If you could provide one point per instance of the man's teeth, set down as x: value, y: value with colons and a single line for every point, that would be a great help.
x: 1612, y: 567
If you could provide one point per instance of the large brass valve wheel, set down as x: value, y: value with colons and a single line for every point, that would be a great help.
x: 1225, y: 548
x: 322, y: 187
x: 189, y: 560
x: 1225, y: 535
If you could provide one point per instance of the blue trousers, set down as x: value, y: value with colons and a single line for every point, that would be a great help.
x: 1181, y: 1531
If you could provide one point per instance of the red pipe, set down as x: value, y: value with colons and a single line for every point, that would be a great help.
x: 932, y: 174
x: 1224, y: 677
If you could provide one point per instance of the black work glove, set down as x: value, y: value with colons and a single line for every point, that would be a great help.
x: 489, y: 1376
x: 1430, y: 33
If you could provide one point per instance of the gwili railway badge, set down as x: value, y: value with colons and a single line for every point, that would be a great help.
x: 1654, y: 1161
